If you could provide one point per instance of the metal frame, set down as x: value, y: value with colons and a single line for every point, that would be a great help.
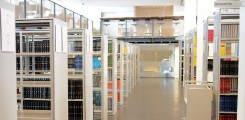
x: 8, y: 66
x: 57, y: 72
x: 103, y: 110
x: 86, y: 76
x: 55, y: 4
x: 217, y: 44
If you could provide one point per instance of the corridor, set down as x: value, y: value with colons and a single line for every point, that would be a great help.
x: 154, y: 99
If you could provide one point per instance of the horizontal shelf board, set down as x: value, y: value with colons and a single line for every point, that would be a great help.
x: 231, y: 76
x: 81, y: 100
x: 34, y: 76
x: 110, y: 68
x: 230, y: 39
x: 74, y: 39
x: 33, y: 31
x: 76, y: 76
x: 37, y: 99
x: 97, y: 70
x: 229, y: 57
x: 229, y: 94
x: 33, y: 54
x: 97, y: 111
x: 75, y: 53
x: 97, y: 89
x: 33, y: 85
x: 74, y: 70
x: 223, y: 112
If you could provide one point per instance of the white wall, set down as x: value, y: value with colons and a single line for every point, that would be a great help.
x: 190, y: 15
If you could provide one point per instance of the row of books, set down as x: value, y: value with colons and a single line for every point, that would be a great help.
x: 17, y: 63
x: 110, y: 103
x: 228, y: 67
x: 76, y: 63
x: 110, y: 72
x: 229, y: 31
x: 36, y: 79
x: 118, y: 90
x: 97, y: 98
x: 97, y: 45
x: 75, y: 89
x: 210, y: 35
x: 40, y: 63
x: 228, y: 85
x: 36, y: 105
x: 42, y: 46
x: 229, y: 49
x: 97, y: 81
x: 227, y: 117
x: 110, y: 61
x: 96, y: 62
x: 37, y: 92
x: 75, y: 110
x: 75, y: 46
x: 110, y: 48
x: 228, y: 103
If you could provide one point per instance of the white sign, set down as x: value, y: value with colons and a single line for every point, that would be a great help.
x: 7, y: 23
x: 64, y: 37
x: 229, y: 4
x: 58, y: 40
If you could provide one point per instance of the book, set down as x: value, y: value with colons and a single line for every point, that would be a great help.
x: 223, y: 49
x: 36, y: 105
x: 75, y: 110
x: 75, y: 89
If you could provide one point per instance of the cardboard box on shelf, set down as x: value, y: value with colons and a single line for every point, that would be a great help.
x: 153, y: 11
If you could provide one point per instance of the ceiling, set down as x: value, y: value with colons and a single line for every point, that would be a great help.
x: 121, y: 3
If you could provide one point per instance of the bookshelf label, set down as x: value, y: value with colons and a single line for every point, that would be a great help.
x: 58, y: 42
x: 7, y: 30
x: 229, y: 4
x: 64, y: 35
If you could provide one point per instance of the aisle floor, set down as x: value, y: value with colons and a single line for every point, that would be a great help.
x: 154, y: 99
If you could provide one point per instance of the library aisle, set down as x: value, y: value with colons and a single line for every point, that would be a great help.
x: 154, y: 99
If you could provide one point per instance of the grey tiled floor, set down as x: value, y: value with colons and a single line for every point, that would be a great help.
x: 153, y: 99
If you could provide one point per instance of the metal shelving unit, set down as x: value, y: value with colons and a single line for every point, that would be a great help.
x: 112, y: 76
x: 41, y: 45
x: 100, y: 76
x: 7, y: 62
x: 225, y: 83
x: 80, y: 88
x: 190, y: 56
x: 181, y: 60
x: 208, y: 49
x: 120, y: 71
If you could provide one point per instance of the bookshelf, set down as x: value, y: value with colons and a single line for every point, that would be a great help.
x: 80, y: 90
x: 208, y: 49
x: 7, y: 62
x: 127, y: 70
x: 226, y: 59
x: 100, y: 76
x: 190, y: 56
x: 181, y: 60
x: 138, y: 64
x: 41, y: 46
x: 112, y: 76
x: 121, y: 77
